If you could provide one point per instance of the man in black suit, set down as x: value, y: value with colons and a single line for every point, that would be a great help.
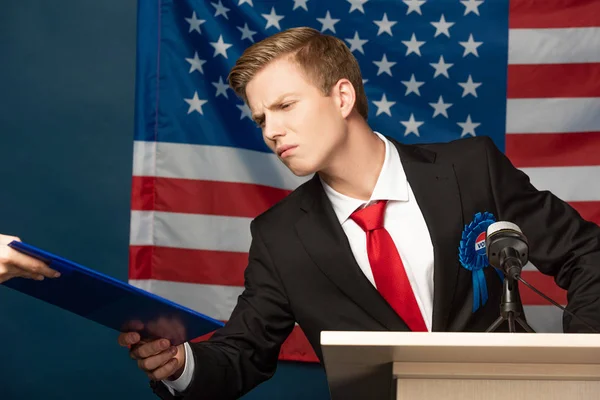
x: 376, y: 211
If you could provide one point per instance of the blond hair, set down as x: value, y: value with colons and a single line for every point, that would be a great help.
x: 324, y: 59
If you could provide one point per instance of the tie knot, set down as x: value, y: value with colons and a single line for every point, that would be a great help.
x: 370, y: 217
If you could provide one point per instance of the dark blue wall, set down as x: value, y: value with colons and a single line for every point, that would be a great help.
x: 67, y: 74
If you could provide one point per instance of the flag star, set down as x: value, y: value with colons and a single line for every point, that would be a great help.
x: 440, y: 107
x: 196, y: 63
x: 245, y: 1
x: 221, y: 88
x: 413, y: 45
x: 357, y: 5
x: 412, y: 86
x: 328, y: 22
x: 357, y: 43
x: 220, y: 47
x: 195, y: 104
x: 441, y: 68
x: 221, y: 10
x: 273, y: 19
x: 442, y: 27
x: 365, y: 81
x: 385, y: 25
x: 246, y: 112
x: 384, y: 66
x: 300, y: 3
x: 469, y: 87
x: 411, y: 125
x: 470, y: 46
x: 246, y: 32
x: 195, y: 23
x: 414, y: 5
x: 471, y: 6
x: 383, y: 105
x: 468, y: 127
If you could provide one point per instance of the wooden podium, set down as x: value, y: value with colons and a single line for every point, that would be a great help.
x: 465, y: 366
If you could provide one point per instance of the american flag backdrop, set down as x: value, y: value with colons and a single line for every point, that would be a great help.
x: 524, y: 72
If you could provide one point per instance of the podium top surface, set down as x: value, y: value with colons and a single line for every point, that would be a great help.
x: 378, y: 347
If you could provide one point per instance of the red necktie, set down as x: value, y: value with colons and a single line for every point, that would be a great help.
x: 390, y: 277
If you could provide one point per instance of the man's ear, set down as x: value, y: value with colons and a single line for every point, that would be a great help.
x: 346, y: 96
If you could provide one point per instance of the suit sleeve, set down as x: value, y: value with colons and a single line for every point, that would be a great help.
x: 561, y: 243
x: 245, y: 351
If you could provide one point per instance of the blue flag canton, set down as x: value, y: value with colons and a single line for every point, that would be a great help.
x: 434, y: 71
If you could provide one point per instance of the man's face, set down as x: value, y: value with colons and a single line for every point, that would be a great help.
x: 295, y: 115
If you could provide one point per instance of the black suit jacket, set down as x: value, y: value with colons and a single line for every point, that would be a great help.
x: 301, y: 267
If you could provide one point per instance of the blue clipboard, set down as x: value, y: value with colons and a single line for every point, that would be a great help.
x: 111, y: 302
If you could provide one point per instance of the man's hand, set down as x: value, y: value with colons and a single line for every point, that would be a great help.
x: 15, y: 264
x: 157, y: 358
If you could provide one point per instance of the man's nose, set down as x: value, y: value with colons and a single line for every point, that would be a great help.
x: 273, y: 129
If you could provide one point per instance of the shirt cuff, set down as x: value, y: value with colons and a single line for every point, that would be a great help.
x: 181, y: 383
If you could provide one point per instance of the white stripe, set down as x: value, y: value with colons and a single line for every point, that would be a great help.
x: 216, y: 163
x: 568, y: 183
x: 553, y: 115
x: 193, y: 231
x: 214, y: 301
x: 140, y: 233
x: 553, y: 46
x: 544, y: 319
x: 144, y: 162
x: 529, y: 267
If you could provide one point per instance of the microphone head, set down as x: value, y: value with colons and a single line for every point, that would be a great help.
x: 503, y: 235
x: 502, y: 226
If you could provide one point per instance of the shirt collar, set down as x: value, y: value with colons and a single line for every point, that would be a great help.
x: 391, y: 185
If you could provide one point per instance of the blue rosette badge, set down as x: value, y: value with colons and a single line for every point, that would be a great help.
x: 473, y: 257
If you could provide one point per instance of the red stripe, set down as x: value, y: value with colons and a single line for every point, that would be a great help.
x: 589, y: 210
x: 185, y: 265
x: 140, y: 262
x: 204, y: 197
x: 544, y: 284
x: 142, y: 193
x: 295, y: 348
x: 553, y: 80
x: 553, y: 13
x: 553, y: 149
x: 227, y: 268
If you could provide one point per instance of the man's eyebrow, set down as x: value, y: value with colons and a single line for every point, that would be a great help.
x: 259, y: 117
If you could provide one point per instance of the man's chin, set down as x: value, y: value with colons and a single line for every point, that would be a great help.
x: 301, y: 171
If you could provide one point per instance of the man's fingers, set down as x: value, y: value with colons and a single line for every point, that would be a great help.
x: 8, y: 271
x: 151, y: 363
x: 29, y: 264
x: 151, y: 348
x: 128, y: 338
x: 27, y: 274
x: 165, y: 371
x: 6, y: 239
x: 133, y: 325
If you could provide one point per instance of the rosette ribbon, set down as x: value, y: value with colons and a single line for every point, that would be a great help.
x: 473, y: 257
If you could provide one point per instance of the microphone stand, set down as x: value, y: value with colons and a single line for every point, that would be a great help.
x: 510, y: 304
x: 510, y: 308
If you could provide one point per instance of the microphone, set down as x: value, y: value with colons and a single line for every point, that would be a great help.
x: 507, y: 248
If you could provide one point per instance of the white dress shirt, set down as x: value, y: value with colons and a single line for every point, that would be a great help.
x: 404, y: 222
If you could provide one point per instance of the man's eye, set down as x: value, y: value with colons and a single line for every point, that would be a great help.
x: 284, y: 106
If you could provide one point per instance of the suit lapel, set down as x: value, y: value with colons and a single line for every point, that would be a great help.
x: 327, y: 244
x: 436, y: 191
